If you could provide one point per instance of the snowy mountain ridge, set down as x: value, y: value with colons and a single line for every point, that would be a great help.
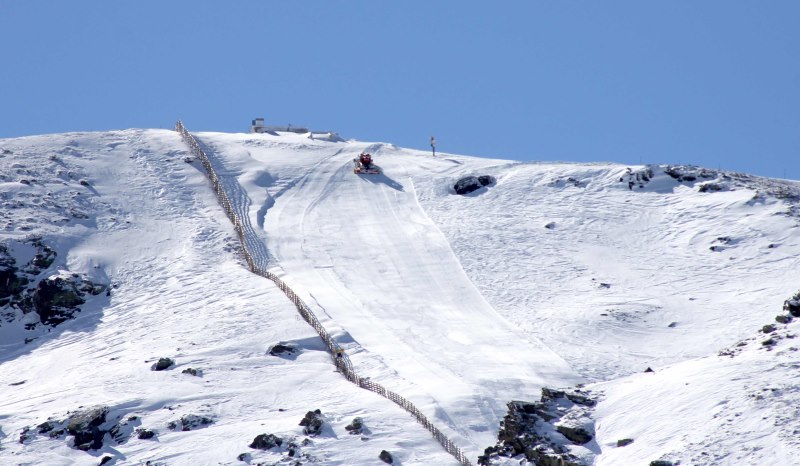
x: 555, y: 275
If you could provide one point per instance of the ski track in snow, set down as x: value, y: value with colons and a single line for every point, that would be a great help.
x: 377, y: 307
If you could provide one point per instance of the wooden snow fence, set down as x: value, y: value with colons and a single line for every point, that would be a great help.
x: 340, y: 359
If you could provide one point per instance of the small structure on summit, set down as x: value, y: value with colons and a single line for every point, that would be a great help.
x: 257, y: 126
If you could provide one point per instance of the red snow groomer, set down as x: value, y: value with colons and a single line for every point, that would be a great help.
x: 364, y: 165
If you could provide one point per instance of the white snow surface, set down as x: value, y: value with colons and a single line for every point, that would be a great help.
x: 458, y: 303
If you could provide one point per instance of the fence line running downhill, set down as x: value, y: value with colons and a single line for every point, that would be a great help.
x: 340, y: 359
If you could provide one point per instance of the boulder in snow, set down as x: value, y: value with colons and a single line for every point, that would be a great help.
x: 472, y: 183
x: 162, y: 364
x: 386, y: 457
x: 355, y: 427
x: 266, y: 441
x: 282, y: 349
x: 190, y: 422
x: 312, y: 422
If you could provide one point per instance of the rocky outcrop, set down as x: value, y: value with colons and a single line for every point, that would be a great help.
x: 544, y: 432
x: 15, y: 277
x: 57, y: 299
x: 87, y: 427
x: 11, y: 282
x: 31, y: 293
x: 637, y: 178
x: 689, y: 173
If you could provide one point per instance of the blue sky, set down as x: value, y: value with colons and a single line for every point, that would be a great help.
x: 712, y: 83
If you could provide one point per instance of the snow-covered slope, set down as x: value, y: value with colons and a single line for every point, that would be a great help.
x: 557, y: 274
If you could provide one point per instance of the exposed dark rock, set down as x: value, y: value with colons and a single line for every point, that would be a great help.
x: 105, y: 460
x: 123, y: 430
x: 293, y: 449
x: 47, y: 426
x: 56, y: 299
x: 576, y: 435
x: 551, y: 394
x: 26, y: 435
x: 246, y: 457
x: 266, y: 441
x: 386, y: 457
x: 637, y: 178
x: 486, y: 180
x: 550, y: 225
x: 783, y: 319
x: 190, y: 422
x: 162, y: 364
x: 145, y: 434
x: 467, y: 185
x: 769, y: 328
x: 85, y: 427
x: 312, y: 422
x: 282, y: 349
x: 10, y: 283
x: 624, y: 442
x: 528, y: 428
x: 569, y: 181
x: 688, y: 173
x: 355, y: 427
x: 471, y: 183
x: 709, y: 188
x: 792, y: 305
x: 191, y: 371
x: 648, y: 370
x: 580, y: 399
x: 661, y: 463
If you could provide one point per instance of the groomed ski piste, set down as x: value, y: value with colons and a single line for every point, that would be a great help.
x: 558, y: 274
